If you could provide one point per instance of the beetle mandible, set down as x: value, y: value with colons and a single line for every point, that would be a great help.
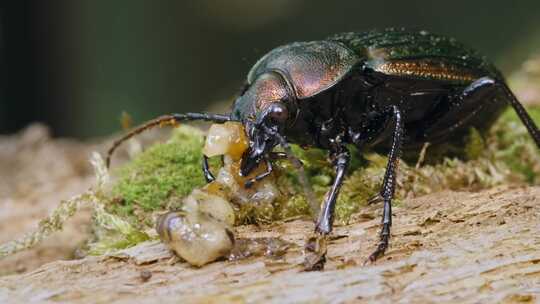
x: 388, y: 90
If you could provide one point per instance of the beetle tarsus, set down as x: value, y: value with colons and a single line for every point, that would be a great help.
x: 382, y: 246
x: 315, y: 252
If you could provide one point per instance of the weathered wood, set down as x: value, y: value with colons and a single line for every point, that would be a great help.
x: 447, y: 247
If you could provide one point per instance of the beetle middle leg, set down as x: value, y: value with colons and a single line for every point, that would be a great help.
x: 316, y: 245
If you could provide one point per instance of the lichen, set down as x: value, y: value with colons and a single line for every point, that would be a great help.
x: 53, y: 223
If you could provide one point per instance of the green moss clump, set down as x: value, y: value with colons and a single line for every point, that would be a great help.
x: 360, y: 186
x: 165, y: 171
x: 512, y: 145
x: 475, y: 144
x: 507, y: 154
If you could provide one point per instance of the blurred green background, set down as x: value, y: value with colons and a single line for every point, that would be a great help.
x: 76, y: 65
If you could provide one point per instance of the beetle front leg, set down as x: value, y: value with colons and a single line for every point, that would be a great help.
x: 208, y: 176
x: 273, y: 156
x: 261, y: 176
x: 389, y: 184
x: 316, y: 245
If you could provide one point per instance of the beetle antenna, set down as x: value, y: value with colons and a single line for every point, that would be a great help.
x: 164, y: 120
x: 308, y: 190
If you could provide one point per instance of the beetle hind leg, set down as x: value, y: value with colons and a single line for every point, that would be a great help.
x: 522, y: 113
x: 389, y: 184
x: 477, y: 106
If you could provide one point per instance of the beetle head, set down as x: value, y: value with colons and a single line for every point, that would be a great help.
x: 262, y: 135
x: 266, y: 108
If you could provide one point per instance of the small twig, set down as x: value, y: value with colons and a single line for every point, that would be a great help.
x: 422, y: 155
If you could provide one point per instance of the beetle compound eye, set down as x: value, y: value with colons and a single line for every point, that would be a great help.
x: 278, y: 112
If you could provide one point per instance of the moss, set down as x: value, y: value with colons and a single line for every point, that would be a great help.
x: 475, y: 144
x: 512, y: 145
x: 258, y: 214
x: 112, y: 233
x: 156, y: 176
x: 295, y: 206
x: 359, y: 186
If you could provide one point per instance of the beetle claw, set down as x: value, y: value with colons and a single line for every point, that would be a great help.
x: 381, y: 249
x: 315, y: 253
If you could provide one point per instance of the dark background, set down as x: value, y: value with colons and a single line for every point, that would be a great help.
x: 76, y: 65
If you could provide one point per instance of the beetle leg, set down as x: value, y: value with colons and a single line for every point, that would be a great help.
x: 206, y: 170
x: 269, y: 168
x: 278, y: 155
x: 522, y: 113
x: 308, y: 190
x: 316, y: 246
x: 389, y: 184
x: 208, y: 176
x: 472, y: 101
x: 466, y: 104
x: 273, y: 156
x: 326, y: 215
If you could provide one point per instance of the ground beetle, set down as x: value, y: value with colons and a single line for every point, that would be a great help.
x: 389, y: 90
